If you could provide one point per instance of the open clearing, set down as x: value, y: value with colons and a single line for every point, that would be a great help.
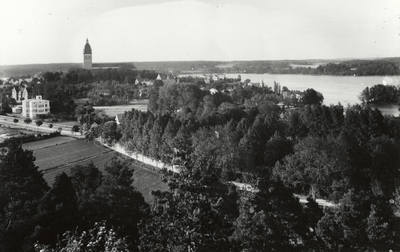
x: 60, y: 154
x: 120, y: 109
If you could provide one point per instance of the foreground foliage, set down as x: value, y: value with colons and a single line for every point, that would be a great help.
x: 31, y: 212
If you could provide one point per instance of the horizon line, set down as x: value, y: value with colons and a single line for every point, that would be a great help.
x: 153, y: 61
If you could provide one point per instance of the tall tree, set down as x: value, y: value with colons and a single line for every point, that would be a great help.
x: 21, y: 187
x: 189, y: 217
x: 276, y: 149
x: 58, y: 211
x: 110, y: 132
x: 123, y: 206
x: 145, y: 139
x: 166, y: 148
x: 85, y: 115
x: 361, y: 222
x: 271, y: 220
x: 86, y: 180
x: 27, y: 121
x: 312, y: 97
x: 253, y: 143
x: 315, y: 165
x: 155, y: 139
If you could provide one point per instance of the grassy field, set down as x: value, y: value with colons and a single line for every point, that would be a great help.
x: 99, y: 161
x: 66, y: 153
x: 145, y: 181
x: 60, y: 154
x: 120, y: 109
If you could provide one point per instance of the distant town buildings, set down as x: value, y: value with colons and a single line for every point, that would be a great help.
x: 104, y: 92
x: 213, y: 77
x: 147, y: 81
x: 34, y: 107
x: 20, y: 80
x: 167, y: 78
x: 87, y: 56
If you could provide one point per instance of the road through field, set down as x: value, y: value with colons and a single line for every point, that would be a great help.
x: 8, y: 121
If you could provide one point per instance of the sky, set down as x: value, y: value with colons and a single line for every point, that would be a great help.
x: 50, y: 31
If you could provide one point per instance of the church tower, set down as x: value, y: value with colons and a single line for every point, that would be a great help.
x: 87, y: 56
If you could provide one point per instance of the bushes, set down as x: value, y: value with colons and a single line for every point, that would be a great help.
x: 24, y: 138
x: 43, y: 116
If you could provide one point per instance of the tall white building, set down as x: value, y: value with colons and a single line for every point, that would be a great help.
x: 33, y: 107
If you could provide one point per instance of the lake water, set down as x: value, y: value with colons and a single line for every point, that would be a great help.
x: 335, y: 89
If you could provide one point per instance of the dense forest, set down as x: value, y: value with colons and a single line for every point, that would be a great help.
x: 348, y: 155
x: 239, y: 134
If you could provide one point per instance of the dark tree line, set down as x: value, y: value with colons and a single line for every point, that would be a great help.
x: 355, y: 67
x: 124, y: 75
x: 80, y: 75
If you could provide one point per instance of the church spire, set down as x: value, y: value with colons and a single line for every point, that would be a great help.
x: 87, y: 56
x: 87, y: 49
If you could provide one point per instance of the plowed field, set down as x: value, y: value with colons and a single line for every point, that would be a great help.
x: 59, y: 154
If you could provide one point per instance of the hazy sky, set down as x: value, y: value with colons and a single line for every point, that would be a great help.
x: 49, y: 31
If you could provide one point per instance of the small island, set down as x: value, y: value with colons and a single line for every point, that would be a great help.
x: 380, y: 93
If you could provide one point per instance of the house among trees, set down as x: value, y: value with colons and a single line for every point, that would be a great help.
x: 213, y: 91
x: 34, y: 107
x: 118, y: 118
x: 17, y: 109
x: 292, y: 95
x: 104, y: 92
x: 146, y: 81
x: 213, y: 77
x: 167, y: 78
x: 21, y: 94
